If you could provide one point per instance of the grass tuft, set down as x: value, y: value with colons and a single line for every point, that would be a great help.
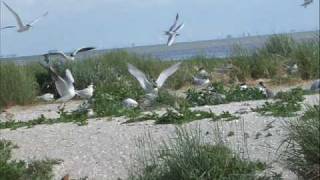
x: 20, y: 170
x: 303, y: 152
x: 187, y: 157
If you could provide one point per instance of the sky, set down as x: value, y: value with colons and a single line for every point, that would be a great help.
x: 121, y: 23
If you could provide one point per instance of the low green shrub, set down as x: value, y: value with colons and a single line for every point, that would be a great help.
x: 20, y: 170
x: 287, y: 104
x: 187, y: 157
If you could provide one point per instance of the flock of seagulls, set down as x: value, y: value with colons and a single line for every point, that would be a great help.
x: 65, y: 85
x: 172, y: 33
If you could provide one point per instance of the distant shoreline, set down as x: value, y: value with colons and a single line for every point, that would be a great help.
x: 220, y: 48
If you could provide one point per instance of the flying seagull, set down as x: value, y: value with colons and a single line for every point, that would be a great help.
x: 71, y: 57
x: 86, y: 93
x: 151, y: 88
x: 64, y: 86
x: 173, y: 31
x: 21, y: 27
x: 306, y: 3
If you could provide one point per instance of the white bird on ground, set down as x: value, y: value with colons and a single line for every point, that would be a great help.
x: 315, y: 85
x: 46, y: 97
x: 244, y: 86
x: 130, y: 103
x: 200, y: 82
x: 71, y: 57
x: 173, y: 31
x: 21, y: 27
x: 64, y: 86
x: 151, y: 88
x: 306, y: 3
x: 202, y: 77
x: 86, y: 93
x: 267, y: 92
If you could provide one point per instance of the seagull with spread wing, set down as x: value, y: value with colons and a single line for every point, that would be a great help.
x: 64, y: 86
x: 72, y: 56
x: 173, y: 31
x: 151, y: 88
x: 22, y: 27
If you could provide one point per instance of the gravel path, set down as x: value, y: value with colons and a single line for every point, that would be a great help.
x: 105, y: 148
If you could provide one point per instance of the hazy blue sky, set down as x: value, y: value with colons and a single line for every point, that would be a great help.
x: 119, y: 23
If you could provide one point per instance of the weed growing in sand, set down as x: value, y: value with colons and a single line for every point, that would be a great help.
x: 21, y: 170
x: 303, y: 152
x: 78, y: 117
x: 225, y: 115
x: 187, y: 156
x: 173, y: 116
x: 287, y: 104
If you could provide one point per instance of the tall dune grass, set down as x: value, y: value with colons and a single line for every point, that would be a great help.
x: 17, y: 85
x: 20, y: 84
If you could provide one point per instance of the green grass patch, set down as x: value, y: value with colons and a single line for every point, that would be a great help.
x: 20, y: 170
x: 17, y: 85
x: 217, y: 93
x: 286, y: 105
x: 186, y: 156
x: 173, y: 116
x: 303, y: 152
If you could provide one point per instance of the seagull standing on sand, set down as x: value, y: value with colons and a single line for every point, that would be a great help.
x: 86, y: 93
x: 151, y: 88
x: 71, y: 57
x: 21, y: 27
x: 65, y: 86
x: 173, y: 31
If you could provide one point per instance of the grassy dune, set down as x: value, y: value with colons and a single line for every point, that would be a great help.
x: 20, y: 84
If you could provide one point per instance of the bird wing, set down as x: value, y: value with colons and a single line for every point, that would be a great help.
x: 179, y: 27
x: 141, y: 77
x: 61, y: 85
x: 18, y: 19
x: 171, y: 39
x: 166, y: 73
x: 69, y: 77
x: 7, y: 27
x: 38, y: 19
x: 82, y: 49
x: 175, y: 23
x: 60, y: 53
